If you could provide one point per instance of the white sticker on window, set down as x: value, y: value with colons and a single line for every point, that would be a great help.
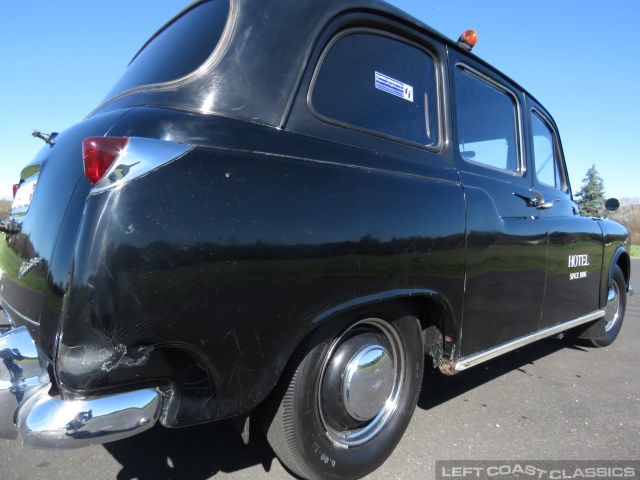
x: 394, y: 87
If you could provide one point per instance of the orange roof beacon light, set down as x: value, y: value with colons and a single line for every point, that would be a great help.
x: 468, y: 39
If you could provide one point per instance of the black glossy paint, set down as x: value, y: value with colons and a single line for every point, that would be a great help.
x: 506, y: 239
x: 208, y: 272
x: 233, y: 257
x: 616, y: 237
x: 567, y: 296
x: 49, y: 228
x: 505, y: 268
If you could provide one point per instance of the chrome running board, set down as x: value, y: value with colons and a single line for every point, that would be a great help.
x: 469, y: 361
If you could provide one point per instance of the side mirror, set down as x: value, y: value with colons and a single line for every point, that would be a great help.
x: 612, y: 204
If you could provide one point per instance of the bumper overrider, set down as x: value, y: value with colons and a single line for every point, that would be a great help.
x: 44, y: 421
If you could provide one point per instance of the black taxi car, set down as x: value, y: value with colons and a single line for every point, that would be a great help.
x: 278, y: 212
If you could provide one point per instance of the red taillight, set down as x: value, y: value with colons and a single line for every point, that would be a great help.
x: 15, y: 189
x: 99, y: 153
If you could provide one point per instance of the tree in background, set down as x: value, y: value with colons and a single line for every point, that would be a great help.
x: 591, y: 195
x: 5, y: 207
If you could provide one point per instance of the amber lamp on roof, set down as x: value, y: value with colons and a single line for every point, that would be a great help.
x: 468, y: 39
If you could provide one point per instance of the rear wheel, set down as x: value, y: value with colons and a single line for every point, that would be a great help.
x: 348, y: 397
x: 614, y: 311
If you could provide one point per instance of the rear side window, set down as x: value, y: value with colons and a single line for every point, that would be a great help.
x: 178, y: 49
x: 486, y: 121
x: 378, y: 84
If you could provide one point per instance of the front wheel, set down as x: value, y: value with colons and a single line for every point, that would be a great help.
x: 348, y: 397
x: 614, y: 311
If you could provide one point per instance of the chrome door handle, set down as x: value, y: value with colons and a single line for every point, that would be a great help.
x: 537, y: 201
x: 546, y: 206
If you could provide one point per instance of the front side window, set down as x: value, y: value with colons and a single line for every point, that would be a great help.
x: 486, y: 119
x: 178, y: 49
x: 378, y: 84
x: 544, y: 156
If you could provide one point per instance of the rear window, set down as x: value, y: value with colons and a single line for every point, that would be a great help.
x: 178, y: 49
x: 379, y: 84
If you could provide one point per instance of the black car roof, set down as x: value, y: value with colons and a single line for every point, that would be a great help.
x: 260, y: 58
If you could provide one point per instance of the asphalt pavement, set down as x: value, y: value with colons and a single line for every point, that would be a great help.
x: 551, y: 400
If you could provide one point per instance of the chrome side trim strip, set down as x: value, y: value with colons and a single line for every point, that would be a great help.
x: 477, y: 358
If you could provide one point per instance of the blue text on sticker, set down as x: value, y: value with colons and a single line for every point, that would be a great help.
x: 394, y: 87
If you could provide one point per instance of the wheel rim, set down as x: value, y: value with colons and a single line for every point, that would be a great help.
x: 361, y: 382
x: 612, y: 310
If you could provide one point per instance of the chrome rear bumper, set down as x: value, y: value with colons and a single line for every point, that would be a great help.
x: 45, y: 421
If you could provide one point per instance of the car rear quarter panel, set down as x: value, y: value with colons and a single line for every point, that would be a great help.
x: 46, y: 233
x: 209, y: 271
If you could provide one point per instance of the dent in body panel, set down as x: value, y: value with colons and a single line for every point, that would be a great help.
x: 85, y: 359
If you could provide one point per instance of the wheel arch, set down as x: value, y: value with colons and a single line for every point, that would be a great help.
x: 623, y: 260
x: 619, y: 258
x: 430, y: 307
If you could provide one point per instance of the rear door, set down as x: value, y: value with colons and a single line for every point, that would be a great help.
x: 506, y: 238
x: 575, y: 242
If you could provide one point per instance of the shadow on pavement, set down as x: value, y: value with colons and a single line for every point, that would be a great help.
x: 197, y: 453
x: 438, y: 388
x: 192, y: 453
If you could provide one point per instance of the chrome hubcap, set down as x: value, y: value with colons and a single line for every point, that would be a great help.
x: 368, y: 382
x: 612, y: 310
x: 361, y: 382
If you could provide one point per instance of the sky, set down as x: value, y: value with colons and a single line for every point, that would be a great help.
x: 58, y: 60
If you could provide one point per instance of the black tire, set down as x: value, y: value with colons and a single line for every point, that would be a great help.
x: 381, y: 356
x: 614, y: 311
